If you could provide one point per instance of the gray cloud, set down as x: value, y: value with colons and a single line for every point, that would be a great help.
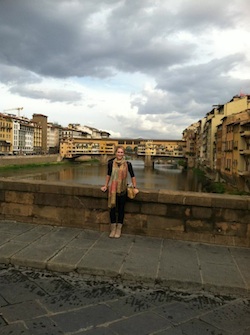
x: 205, y: 15
x: 13, y: 75
x: 70, y: 38
x: 192, y: 90
x: 100, y: 38
x: 65, y: 40
x: 52, y: 95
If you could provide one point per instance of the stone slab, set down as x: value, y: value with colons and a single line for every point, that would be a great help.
x: 9, y: 249
x: 81, y: 242
x: 35, y: 255
x: 67, y: 259
x: 14, y: 227
x: 146, y: 323
x: 33, y: 234
x: 128, y: 306
x: 179, y: 264
x: 176, y: 312
x: 121, y: 244
x: 214, y: 254
x: 5, y: 237
x: 59, y: 234
x: 84, y: 318
x: 102, y: 262
x: 90, y: 234
x: 199, y: 327
x: 16, y: 328
x: 43, y: 325
x: 141, y: 263
x: 22, y: 311
x: 20, y: 292
x: 241, y: 257
x: 148, y: 242
x: 224, y: 276
x: 231, y: 317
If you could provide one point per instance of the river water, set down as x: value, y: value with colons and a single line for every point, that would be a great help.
x: 161, y: 177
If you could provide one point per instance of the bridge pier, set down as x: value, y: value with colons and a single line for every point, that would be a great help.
x: 148, y: 162
x: 104, y: 159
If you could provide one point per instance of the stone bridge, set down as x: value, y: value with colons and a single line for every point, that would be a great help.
x: 149, y: 160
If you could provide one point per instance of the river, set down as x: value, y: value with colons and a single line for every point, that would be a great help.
x: 161, y: 177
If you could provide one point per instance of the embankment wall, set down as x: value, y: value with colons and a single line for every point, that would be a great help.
x: 200, y: 217
x: 22, y: 160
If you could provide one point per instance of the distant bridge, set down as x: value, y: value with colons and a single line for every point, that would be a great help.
x: 72, y: 148
x: 142, y: 156
x: 149, y: 160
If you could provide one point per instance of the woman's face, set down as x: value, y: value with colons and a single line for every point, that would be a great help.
x: 119, y: 153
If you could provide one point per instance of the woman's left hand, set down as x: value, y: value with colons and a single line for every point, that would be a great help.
x: 136, y: 191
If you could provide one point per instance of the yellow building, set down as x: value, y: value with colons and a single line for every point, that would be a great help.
x: 37, y: 138
x: 244, y: 146
x: 190, y: 136
x: 212, y: 120
x: 235, y: 158
x: 218, y: 148
x: 237, y: 104
x: 41, y: 120
x: 6, y: 135
x: 224, y: 138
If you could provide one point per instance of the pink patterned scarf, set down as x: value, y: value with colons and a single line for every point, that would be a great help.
x: 118, y: 180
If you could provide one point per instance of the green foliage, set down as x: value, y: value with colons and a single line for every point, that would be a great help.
x: 182, y: 162
x: 199, y: 173
x: 236, y: 192
x: 207, y: 184
x: 216, y: 187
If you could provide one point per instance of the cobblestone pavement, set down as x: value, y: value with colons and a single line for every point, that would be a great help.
x: 42, y: 302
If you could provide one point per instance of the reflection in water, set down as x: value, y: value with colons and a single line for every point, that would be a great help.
x: 161, y: 177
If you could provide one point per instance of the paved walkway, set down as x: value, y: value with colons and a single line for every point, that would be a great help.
x: 151, y: 261
x: 41, y: 302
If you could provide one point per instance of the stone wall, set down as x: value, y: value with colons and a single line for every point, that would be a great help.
x: 201, y: 217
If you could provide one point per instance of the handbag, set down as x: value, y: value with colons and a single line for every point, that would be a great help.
x: 131, y: 192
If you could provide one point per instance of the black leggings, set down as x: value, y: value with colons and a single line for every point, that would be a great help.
x: 120, y: 204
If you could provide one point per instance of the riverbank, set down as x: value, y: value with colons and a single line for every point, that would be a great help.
x: 22, y: 162
x: 211, y: 185
x: 30, y: 166
x: 28, y: 160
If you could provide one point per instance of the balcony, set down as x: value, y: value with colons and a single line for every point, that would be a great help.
x: 245, y: 152
x: 245, y: 133
x: 244, y: 173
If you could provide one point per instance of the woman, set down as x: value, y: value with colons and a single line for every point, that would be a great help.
x: 118, y: 169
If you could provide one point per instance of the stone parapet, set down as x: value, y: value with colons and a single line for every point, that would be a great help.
x: 191, y: 216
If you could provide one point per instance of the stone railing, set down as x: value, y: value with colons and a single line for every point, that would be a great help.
x: 200, y: 217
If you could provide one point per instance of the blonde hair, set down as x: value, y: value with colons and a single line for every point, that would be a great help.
x: 119, y: 147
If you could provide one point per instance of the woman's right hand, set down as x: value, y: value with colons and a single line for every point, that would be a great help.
x: 104, y: 188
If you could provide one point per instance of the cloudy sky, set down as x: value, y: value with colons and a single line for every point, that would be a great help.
x: 135, y: 68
